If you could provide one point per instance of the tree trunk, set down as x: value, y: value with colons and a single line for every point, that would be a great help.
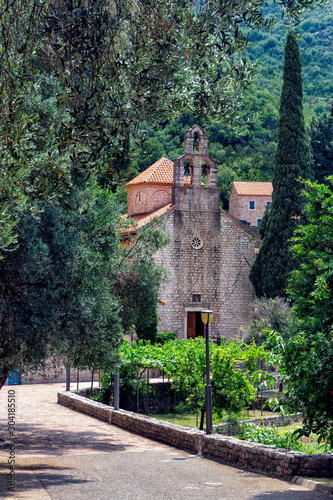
x: 3, y: 379
x: 203, y: 411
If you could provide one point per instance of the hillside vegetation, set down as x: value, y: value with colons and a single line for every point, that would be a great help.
x: 249, y: 156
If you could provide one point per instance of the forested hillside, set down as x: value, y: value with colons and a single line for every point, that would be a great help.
x: 316, y: 42
x: 250, y: 155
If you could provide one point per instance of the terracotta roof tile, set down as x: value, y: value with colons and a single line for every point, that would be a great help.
x: 254, y: 188
x: 161, y: 172
x: 143, y: 219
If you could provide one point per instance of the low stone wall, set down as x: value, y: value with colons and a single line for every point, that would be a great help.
x: 282, y: 463
x: 276, y: 420
x: 53, y: 373
x: 268, y: 459
x: 263, y: 403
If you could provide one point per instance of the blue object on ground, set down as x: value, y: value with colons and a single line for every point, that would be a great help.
x: 14, y: 378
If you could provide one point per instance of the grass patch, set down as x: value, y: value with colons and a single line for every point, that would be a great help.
x: 307, y: 444
x: 282, y: 437
x: 325, y: 480
x: 187, y: 420
x: 273, y: 394
x: 193, y: 420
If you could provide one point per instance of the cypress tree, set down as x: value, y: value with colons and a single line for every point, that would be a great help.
x: 321, y: 135
x: 293, y: 161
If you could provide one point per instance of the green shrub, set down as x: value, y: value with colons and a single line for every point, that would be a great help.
x: 127, y: 387
x: 288, y: 439
x: 269, y: 435
x: 162, y: 337
x: 182, y: 408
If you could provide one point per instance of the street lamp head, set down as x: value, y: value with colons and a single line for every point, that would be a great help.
x: 207, y: 316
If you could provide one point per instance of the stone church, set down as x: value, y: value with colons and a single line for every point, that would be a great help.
x: 209, y: 257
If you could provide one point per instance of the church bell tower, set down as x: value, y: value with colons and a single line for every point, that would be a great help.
x: 195, y: 175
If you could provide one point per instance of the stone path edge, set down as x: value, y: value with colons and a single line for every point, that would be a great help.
x: 267, y: 459
x: 313, y: 485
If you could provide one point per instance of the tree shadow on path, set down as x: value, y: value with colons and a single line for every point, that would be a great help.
x: 34, y: 439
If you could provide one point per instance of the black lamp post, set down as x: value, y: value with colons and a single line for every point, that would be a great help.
x: 116, y: 383
x: 68, y: 377
x: 207, y: 317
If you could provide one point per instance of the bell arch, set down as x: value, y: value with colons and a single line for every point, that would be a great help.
x: 193, y: 172
x: 188, y: 172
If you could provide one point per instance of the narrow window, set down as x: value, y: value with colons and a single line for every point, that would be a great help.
x: 204, y: 174
x: 252, y: 205
x: 269, y: 203
x: 196, y: 298
x: 187, y: 173
x: 259, y: 222
x: 139, y: 197
x: 187, y: 168
x: 196, y: 143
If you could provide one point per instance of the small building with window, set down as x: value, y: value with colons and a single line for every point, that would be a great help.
x: 248, y: 200
x: 210, y: 252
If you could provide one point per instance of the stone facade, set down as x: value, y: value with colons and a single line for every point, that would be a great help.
x: 216, y: 273
x: 146, y: 199
x: 248, y: 200
x: 210, y: 254
x: 268, y: 459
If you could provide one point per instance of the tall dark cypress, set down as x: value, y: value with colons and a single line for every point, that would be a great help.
x: 293, y: 161
x: 321, y: 135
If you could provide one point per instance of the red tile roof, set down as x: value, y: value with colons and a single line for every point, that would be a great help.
x: 254, y: 188
x: 143, y: 219
x: 161, y: 172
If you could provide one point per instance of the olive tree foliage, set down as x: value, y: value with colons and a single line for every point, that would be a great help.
x: 60, y: 289
x: 79, y: 81
x: 139, y: 279
x: 105, y: 68
x: 271, y: 314
x: 306, y: 357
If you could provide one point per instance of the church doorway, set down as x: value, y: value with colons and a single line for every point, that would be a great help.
x: 195, y: 326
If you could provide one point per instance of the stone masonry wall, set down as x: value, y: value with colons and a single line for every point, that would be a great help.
x: 276, y: 420
x: 282, y: 463
x: 218, y: 272
x: 147, y: 198
x: 55, y: 373
x: 239, y: 207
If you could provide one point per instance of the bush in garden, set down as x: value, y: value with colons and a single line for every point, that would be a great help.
x: 269, y: 435
x: 163, y: 337
x: 184, y: 361
x: 232, y: 391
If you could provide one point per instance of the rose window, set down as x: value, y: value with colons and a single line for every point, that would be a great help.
x: 196, y: 242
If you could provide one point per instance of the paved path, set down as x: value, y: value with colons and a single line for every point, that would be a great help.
x: 62, y: 454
